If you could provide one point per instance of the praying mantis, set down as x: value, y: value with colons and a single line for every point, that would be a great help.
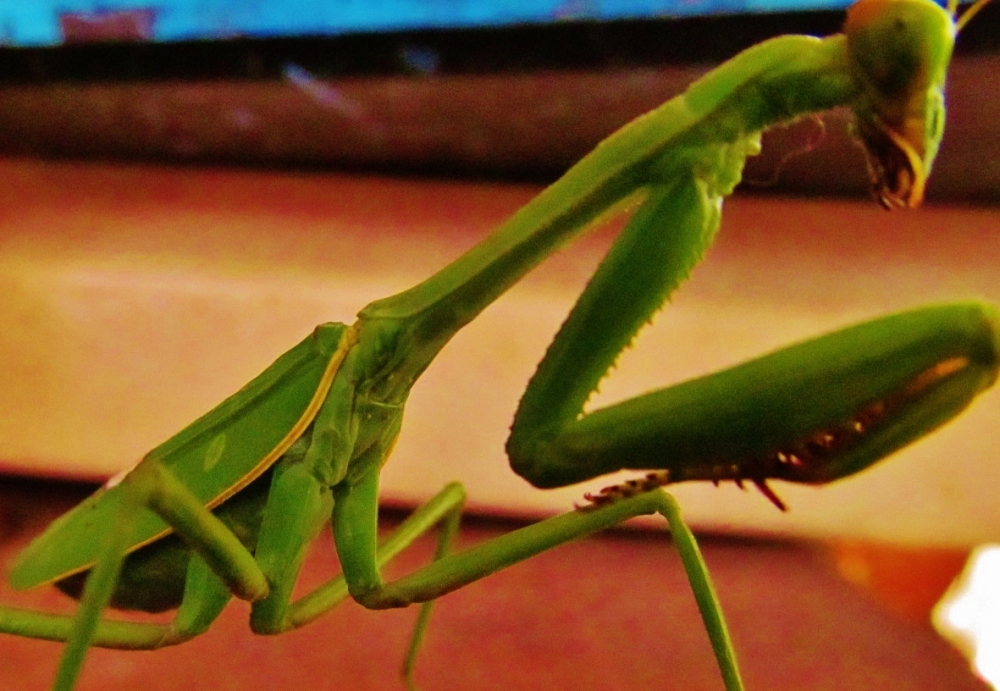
x: 229, y: 505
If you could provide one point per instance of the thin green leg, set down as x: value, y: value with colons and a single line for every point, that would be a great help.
x: 221, y: 565
x: 205, y: 596
x: 449, y: 529
x: 295, y: 504
x: 442, y: 508
x: 457, y: 570
x: 122, y: 635
x: 704, y: 591
x: 204, y: 532
x: 96, y: 594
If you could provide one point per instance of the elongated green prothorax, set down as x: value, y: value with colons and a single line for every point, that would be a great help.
x: 899, y: 52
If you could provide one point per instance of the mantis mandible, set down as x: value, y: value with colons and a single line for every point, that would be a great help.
x: 248, y: 486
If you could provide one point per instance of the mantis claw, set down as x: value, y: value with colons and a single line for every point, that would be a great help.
x: 761, y: 484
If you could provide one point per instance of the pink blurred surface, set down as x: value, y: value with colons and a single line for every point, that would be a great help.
x: 611, y: 612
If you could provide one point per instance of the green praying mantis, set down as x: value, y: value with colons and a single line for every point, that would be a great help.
x: 230, y: 504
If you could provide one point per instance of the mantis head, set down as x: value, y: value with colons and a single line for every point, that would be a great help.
x: 899, y: 52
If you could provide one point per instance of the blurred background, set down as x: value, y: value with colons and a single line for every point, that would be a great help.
x: 189, y: 186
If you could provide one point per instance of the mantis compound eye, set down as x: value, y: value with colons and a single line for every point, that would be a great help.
x: 898, y: 52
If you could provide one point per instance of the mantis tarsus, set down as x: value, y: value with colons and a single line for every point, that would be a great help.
x: 250, y: 484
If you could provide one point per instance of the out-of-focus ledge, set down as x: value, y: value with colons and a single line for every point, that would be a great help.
x: 496, y: 125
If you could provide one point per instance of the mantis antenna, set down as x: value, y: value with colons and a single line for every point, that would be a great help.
x: 973, y: 10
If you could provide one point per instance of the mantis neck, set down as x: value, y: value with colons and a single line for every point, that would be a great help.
x: 707, y: 132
